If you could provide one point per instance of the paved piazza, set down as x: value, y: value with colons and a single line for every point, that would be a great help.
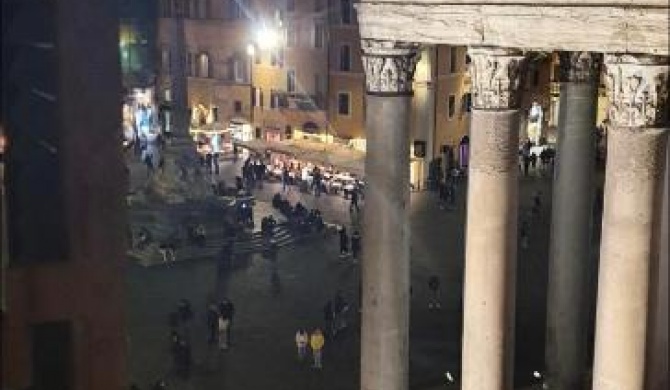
x: 273, y: 300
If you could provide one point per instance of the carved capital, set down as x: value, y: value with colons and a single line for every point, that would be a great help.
x: 496, y: 77
x: 389, y: 66
x: 637, y: 88
x: 579, y: 66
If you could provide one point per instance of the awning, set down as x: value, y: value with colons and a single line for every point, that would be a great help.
x: 341, y: 157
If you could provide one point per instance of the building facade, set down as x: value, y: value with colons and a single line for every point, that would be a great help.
x: 258, y: 66
x: 64, y: 247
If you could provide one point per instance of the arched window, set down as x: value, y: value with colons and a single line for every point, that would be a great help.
x: 203, y: 65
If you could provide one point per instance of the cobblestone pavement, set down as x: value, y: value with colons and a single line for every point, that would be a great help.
x: 273, y: 299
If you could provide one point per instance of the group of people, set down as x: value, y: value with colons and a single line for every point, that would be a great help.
x: 315, y: 342
x: 529, y: 159
x: 220, y: 323
x: 299, y: 217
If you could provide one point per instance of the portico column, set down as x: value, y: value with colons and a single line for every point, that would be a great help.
x: 637, y: 88
x: 389, y: 68
x: 491, y: 233
x: 570, y: 249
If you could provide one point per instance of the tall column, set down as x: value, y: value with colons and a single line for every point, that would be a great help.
x: 389, y: 68
x: 570, y: 249
x: 180, y: 178
x: 491, y: 234
x: 638, y: 93
x: 424, y: 104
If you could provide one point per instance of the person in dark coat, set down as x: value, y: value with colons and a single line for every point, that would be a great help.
x: 344, y: 242
x: 227, y: 312
x: 355, y: 245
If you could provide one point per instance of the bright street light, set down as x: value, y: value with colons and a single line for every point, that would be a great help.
x: 267, y: 38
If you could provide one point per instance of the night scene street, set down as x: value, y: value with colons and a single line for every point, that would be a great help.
x: 334, y: 195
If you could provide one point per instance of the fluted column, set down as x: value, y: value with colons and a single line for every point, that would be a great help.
x: 389, y: 68
x: 637, y: 88
x: 570, y: 249
x: 491, y: 234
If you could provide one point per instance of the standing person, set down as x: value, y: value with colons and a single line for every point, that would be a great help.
x: 285, y: 178
x: 526, y: 156
x: 212, y: 323
x: 316, y: 341
x: 355, y: 245
x: 434, y: 286
x: 537, y: 203
x: 354, y: 200
x: 328, y: 316
x: 223, y: 327
x: 227, y: 310
x: 215, y: 144
x: 344, y: 242
x: 301, y: 340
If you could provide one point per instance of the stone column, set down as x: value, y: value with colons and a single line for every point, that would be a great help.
x: 637, y: 88
x: 491, y: 233
x: 570, y: 249
x: 389, y: 68
x: 424, y: 105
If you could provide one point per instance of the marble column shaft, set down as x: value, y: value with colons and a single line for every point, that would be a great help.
x: 491, y: 233
x: 571, y: 223
x: 638, y: 94
x: 385, y: 264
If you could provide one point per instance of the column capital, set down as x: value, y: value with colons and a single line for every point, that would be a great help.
x: 389, y: 66
x: 579, y: 66
x: 637, y: 88
x: 496, y: 77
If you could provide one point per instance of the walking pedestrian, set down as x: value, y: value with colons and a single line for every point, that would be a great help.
x: 355, y: 245
x: 227, y: 310
x: 285, y: 180
x: 328, y: 317
x: 316, y: 341
x: 344, y: 242
x: 434, y: 287
x: 223, y: 326
x: 212, y: 323
x: 354, y: 200
x: 301, y: 340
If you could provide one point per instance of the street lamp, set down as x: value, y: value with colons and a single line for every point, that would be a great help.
x: 267, y: 38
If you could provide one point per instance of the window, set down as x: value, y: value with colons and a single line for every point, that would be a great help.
x: 215, y: 114
x: 236, y: 9
x: 257, y: 97
x: 259, y: 132
x: 166, y: 8
x: 345, y: 58
x: 274, y: 99
x: 453, y: 60
x: 190, y: 65
x: 165, y: 60
x: 318, y: 35
x: 345, y: 11
x: 467, y: 102
x: 452, y: 106
x: 290, y: 81
x: 535, y: 77
x: 277, y: 57
x: 288, y: 132
x: 291, y: 35
x: 343, y: 103
x: 237, y: 106
x: 196, y: 10
x: 203, y: 65
x: 52, y: 356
